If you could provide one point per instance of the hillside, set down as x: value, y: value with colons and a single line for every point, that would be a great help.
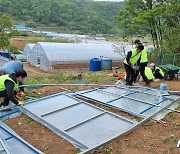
x: 81, y: 16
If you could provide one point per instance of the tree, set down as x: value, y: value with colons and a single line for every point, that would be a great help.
x: 120, y: 48
x: 6, y: 31
x: 160, y: 18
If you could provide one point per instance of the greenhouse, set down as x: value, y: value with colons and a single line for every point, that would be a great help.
x: 70, y: 55
x: 26, y: 52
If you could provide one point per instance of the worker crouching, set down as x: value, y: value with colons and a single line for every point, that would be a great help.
x: 8, y: 85
x: 157, y: 72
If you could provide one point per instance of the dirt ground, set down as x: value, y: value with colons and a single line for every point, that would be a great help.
x: 151, y: 138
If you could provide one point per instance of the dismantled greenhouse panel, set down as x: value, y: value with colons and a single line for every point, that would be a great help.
x: 13, y: 143
x: 137, y: 101
x: 82, y: 124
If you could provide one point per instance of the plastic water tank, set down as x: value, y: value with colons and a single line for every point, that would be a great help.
x: 163, y: 86
x: 5, y: 54
x: 95, y: 64
x: 106, y: 64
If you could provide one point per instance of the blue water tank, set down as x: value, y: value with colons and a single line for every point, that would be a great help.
x: 5, y: 54
x: 106, y: 64
x: 95, y: 64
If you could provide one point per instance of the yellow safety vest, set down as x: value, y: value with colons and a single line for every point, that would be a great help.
x: 134, y: 57
x: 149, y: 73
x: 3, y: 78
x: 144, y: 57
x: 160, y: 71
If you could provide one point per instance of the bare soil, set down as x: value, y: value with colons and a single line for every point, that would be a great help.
x: 151, y: 138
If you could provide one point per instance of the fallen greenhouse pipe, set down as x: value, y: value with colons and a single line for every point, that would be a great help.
x: 36, y: 85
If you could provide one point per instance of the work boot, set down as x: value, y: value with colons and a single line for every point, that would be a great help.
x: 4, y: 108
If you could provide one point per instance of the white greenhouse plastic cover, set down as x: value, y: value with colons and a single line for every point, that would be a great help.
x: 69, y: 53
x: 27, y: 49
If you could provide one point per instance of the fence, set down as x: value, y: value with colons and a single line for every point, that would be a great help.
x: 170, y: 58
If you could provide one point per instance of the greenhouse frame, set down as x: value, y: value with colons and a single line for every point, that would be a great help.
x: 27, y: 50
x: 49, y: 56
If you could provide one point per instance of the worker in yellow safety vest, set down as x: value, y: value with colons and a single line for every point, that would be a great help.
x: 130, y: 60
x: 8, y: 85
x: 157, y: 72
x: 142, y: 63
x: 149, y: 74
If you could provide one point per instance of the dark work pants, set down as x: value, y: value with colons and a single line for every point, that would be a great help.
x: 6, y: 98
x: 142, y: 72
x: 129, y: 74
x: 157, y: 75
x: 136, y: 75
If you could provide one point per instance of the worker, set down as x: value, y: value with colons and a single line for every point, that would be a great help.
x: 8, y: 85
x: 130, y: 60
x: 142, y: 63
x: 157, y: 72
x: 12, y: 67
x: 149, y: 74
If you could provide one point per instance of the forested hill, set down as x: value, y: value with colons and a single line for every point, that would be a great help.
x: 83, y: 16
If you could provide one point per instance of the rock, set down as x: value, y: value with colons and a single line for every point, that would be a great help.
x: 172, y: 135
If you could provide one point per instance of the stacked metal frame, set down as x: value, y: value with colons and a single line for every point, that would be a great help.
x: 139, y: 101
x: 3, y: 148
x: 11, y: 143
x: 87, y: 126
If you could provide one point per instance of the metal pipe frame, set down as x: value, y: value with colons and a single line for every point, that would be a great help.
x: 130, y: 129
x: 127, y: 96
x: 145, y: 92
x: 9, y: 113
x: 63, y: 133
x: 111, y: 106
x: 4, y: 146
x: 13, y: 135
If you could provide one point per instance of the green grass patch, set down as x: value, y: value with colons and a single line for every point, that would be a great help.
x: 166, y: 140
x: 178, y: 107
x: 42, y: 39
x: 108, y: 149
x: 172, y: 116
x: 25, y: 120
x: 69, y: 78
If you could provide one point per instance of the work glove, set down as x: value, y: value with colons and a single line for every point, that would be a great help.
x: 21, y: 103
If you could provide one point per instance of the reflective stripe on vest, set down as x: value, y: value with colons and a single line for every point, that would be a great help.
x: 134, y: 57
x: 144, y: 57
x: 3, y: 79
x: 160, y: 71
x: 149, y: 73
